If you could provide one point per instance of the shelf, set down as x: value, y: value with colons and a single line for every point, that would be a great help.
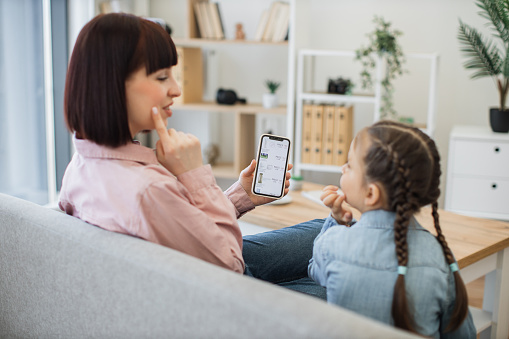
x: 321, y: 168
x: 338, y: 97
x: 198, y: 42
x: 237, y: 108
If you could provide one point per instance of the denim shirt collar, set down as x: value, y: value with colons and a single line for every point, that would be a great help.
x: 383, y: 219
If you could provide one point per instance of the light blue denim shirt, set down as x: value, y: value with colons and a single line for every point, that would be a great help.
x: 358, y: 266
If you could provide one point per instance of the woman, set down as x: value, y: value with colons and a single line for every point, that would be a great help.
x: 120, y: 83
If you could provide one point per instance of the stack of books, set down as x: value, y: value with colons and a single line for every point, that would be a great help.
x: 208, y: 18
x: 274, y: 23
x: 327, y: 131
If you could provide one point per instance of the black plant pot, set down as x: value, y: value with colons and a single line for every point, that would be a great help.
x: 499, y: 120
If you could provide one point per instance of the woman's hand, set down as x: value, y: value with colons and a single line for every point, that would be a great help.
x: 246, y: 181
x: 178, y: 152
x: 336, y: 202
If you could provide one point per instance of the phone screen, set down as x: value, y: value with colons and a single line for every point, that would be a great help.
x: 271, y: 164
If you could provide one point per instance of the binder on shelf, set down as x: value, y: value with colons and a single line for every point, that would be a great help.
x: 328, y: 134
x: 316, y: 134
x: 189, y: 74
x: 307, y: 117
x: 343, y: 134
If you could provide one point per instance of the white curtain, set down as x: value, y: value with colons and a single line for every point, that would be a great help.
x: 23, y: 169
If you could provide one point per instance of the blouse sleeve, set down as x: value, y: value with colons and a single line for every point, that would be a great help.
x: 192, y: 215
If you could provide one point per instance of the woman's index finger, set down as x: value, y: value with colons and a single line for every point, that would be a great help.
x: 160, y: 125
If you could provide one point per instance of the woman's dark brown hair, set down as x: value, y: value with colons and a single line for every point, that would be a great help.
x: 108, y: 49
x: 406, y: 162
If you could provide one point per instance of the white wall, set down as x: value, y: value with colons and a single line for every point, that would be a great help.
x: 427, y: 26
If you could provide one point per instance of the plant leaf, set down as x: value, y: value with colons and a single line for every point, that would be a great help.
x: 497, y: 13
x: 482, y: 54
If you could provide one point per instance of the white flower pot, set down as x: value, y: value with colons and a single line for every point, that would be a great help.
x: 270, y: 100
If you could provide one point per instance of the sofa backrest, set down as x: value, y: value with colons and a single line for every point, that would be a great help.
x: 62, y: 277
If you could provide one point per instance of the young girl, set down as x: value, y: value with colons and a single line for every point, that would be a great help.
x: 120, y: 83
x: 386, y: 266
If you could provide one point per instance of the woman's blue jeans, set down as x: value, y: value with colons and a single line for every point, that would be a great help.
x: 282, y: 257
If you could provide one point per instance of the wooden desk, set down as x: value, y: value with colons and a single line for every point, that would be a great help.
x: 481, y: 247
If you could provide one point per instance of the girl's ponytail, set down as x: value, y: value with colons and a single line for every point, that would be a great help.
x: 461, y: 301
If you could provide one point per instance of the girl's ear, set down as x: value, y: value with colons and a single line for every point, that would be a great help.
x: 374, y: 196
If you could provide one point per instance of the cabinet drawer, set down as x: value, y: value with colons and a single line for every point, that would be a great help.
x: 480, y: 158
x: 480, y: 195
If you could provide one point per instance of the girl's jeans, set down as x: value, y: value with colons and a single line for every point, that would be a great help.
x: 282, y: 257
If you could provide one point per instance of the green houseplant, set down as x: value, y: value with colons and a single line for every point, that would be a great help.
x: 489, y: 59
x: 383, y: 43
x: 270, y: 99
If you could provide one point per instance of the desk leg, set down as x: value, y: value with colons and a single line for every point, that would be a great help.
x: 496, y: 296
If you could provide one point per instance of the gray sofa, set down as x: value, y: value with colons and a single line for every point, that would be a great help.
x: 61, y: 277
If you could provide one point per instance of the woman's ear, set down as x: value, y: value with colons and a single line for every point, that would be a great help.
x: 374, y: 196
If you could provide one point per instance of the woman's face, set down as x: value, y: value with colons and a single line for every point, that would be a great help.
x: 146, y: 91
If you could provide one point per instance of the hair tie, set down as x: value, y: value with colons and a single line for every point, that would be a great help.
x: 402, y: 270
x: 454, y: 267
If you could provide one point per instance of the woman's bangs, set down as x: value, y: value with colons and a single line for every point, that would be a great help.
x: 159, y: 49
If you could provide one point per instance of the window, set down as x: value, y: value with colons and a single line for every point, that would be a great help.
x: 29, y: 126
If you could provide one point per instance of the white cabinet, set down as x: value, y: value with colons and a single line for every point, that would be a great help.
x: 478, y: 173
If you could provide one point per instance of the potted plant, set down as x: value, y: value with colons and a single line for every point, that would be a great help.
x: 384, y: 44
x: 270, y: 99
x: 488, y: 58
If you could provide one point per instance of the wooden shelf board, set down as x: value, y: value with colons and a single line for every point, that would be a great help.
x: 328, y: 97
x: 197, y: 42
x: 240, y: 108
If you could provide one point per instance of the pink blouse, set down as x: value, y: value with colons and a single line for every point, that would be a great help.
x: 125, y: 190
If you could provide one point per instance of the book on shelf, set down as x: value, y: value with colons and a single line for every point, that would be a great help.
x: 261, y: 25
x: 278, y: 19
x: 200, y: 21
x: 343, y: 134
x: 316, y: 134
x: 307, y: 115
x: 282, y: 22
x: 328, y: 134
x: 217, y: 23
x: 204, y: 14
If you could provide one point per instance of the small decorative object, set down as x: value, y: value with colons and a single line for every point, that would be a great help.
x: 340, y: 86
x: 270, y: 100
x: 383, y: 41
x: 228, y: 97
x: 487, y: 58
x: 239, y: 32
x: 211, y: 154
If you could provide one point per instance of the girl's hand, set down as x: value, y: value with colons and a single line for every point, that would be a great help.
x: 178, y: 152
x: 246, y: 181
x: 336, y: 202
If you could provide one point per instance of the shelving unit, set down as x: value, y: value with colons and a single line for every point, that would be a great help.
x: 180, y: 15
x: 304, y: 95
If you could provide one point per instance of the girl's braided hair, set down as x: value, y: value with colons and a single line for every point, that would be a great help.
x: 406, y: 162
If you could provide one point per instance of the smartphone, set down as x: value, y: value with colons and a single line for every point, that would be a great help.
x: 271, y: 166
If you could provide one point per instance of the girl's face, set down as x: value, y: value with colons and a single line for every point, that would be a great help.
x: 146, y: 91
x: 353, y: 182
